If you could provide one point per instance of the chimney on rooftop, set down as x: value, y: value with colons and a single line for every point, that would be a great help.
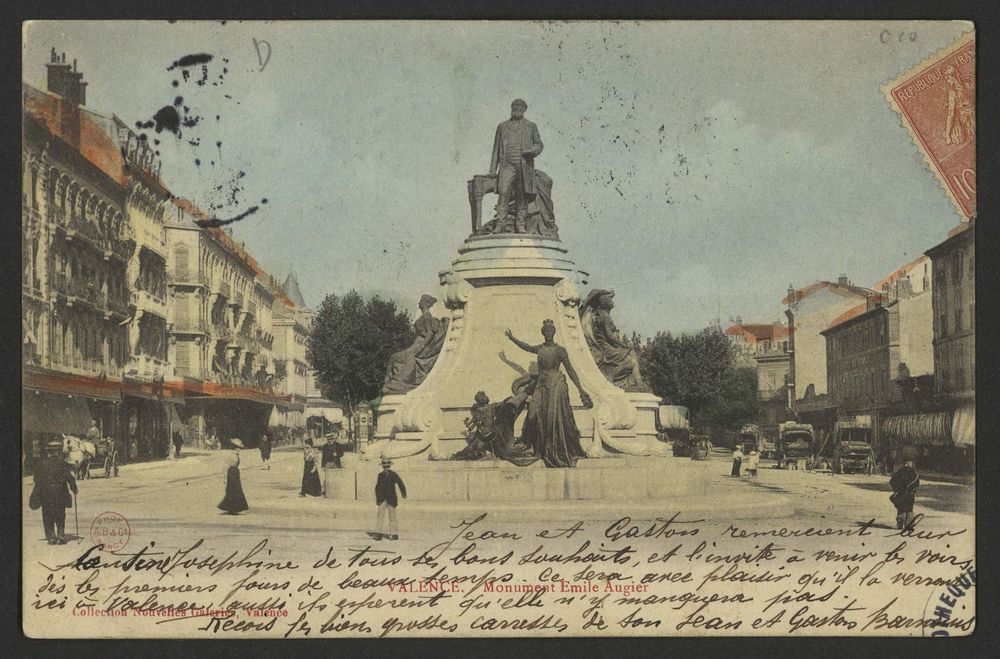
x: 842, y: 280
x: 65, y: 80
x: 67, y: 83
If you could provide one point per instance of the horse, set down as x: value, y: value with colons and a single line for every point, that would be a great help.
x: 79, y: 454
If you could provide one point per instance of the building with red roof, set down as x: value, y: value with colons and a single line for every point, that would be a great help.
x: 810, y: 310
x: 77, y: 246
x: 117, y: 318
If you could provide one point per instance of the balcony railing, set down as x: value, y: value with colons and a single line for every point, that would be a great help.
x: 222, y: 332
x: 190, y: 327
x: 89, y: 293
x: 190, y: 278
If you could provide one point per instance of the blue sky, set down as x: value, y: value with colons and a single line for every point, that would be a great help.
x: 699, y: 167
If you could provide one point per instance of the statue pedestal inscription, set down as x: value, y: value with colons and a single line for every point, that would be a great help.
x: 496, y: 283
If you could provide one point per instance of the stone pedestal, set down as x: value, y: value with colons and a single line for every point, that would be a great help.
x: 497, y: 283
x: 615, y: 478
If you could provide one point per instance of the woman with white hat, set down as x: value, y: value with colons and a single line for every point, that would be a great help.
x: 234, y: 502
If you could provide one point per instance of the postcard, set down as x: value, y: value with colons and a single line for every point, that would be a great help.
x: 397, y: 329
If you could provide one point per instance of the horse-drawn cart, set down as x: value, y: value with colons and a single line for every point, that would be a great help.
x: 83, y: 456
x: 107, y: 455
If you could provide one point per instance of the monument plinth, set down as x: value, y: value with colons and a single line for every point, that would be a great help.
x: 496, y: 283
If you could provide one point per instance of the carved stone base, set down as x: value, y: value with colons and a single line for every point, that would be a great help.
x: 496, y: 283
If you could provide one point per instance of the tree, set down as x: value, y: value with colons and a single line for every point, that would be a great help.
x: 737, y: 399
x: 350, y: 345
x: 697, y: 371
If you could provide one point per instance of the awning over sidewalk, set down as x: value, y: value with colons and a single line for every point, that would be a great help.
x: 932, y: 429
x: 54, y: 413
x: 963, y: 427
x: 277, y: 419
x: 330, y: 414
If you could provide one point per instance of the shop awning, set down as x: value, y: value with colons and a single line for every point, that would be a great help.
x: 176, y: 425
x: 933, y: 429
x: 54, y: 414
x: 963, y: 426
x: 330, y: 414
x: 673, y: 416
x: 276, y: 420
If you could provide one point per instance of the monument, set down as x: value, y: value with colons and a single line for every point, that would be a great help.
x: 510, y: 275
x: 574, y: 419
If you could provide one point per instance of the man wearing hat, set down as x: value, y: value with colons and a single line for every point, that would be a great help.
x: 904, y: 484
x: 385, y: 499
x: 53, y: 483
x: 332, y: 452
x: 515, y: 147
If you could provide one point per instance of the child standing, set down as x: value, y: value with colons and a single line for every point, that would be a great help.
x: 385, y: 499
x: 752, y: 460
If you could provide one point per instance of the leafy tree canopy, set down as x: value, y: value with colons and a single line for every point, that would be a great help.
x: 351, y: 342
x: 698, y: 372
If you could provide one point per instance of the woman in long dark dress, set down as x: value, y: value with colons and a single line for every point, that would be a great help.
x: 310, y: 472
x: 265, y: 449
x: 550, y: 427
x: 234, y: 502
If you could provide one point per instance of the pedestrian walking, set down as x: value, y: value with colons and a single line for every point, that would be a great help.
x: 332, y: 452
x: 234, y: 502
x: 753, y: 459
x: 53, y: 483
x: 385, y: 499
x: 904, y: 484
x: 265, y: 449
x: 737, y: 460
x: 310, y: 471
x: 178, y: 443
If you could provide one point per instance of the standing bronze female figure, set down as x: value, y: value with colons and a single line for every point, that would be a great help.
x: 549, y: 427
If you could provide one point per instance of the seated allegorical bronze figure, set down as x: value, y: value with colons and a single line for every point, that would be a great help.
x: 410, y: 366
x: 617, y: 360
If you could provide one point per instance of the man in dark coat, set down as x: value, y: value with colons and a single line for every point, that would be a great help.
x: 332, y: 452
x: 904, y: 484
x: 515, y: 147
x: 53, y: 481
x: 385, y: 498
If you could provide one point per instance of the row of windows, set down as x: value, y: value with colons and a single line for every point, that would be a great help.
x: 962, y: 320
x: 862, y: 386
x: 956, y: 367
x: 860, y: 337
x: 79, y: 344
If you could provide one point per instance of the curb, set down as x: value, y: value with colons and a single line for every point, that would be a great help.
x: 690, y: 508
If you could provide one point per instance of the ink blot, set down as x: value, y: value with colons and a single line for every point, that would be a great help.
x: 191, y: 60
x: 167, y: 118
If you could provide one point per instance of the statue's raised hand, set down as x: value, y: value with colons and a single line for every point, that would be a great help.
x: 509, y: 334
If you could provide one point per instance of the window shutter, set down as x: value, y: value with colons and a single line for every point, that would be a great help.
x: 183, y: 359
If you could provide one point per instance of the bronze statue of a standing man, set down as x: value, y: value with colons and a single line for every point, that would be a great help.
x: 514, y: 149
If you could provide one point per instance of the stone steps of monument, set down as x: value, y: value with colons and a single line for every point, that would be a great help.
x: 714, y: 508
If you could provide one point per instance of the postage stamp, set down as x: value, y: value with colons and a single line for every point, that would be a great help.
x: 110, y: 529
x: 937, y: 102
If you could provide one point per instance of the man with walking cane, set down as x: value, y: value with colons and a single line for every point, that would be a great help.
x: 53, y: 483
